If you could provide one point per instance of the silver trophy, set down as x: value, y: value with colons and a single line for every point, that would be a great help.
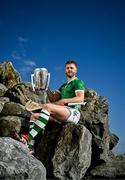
x: 40, y: 80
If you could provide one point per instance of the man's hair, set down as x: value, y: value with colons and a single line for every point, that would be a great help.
x: 71, y: 62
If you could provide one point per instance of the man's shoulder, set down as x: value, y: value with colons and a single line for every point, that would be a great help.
x: 79, y: 84
x: 77, y: 80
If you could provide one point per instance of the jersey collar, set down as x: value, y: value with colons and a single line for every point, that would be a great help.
x: 69, y: 80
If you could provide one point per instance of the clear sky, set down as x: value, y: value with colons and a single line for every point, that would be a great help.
x: 46, y: 33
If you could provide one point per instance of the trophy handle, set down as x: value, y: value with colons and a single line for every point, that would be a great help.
x: 48, y: 80
x: 32, y: 79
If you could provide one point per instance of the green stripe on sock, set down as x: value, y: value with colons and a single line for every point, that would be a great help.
x: 45, y: 113
x: 42, y: 120
x: 37, y: 128
x: 30, y: 136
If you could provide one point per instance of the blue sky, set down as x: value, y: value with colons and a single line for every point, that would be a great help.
x: 46, y: 33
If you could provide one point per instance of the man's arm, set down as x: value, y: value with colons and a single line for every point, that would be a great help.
x: 77, y: 99
x: 53, y: 96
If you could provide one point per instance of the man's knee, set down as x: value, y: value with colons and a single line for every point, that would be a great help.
x: 35, y: 116
x: 47, y: 107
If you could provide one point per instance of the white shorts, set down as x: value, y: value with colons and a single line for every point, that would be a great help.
x: 74, y: 115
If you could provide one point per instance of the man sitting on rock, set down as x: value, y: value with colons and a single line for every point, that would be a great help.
x: 65, y: 103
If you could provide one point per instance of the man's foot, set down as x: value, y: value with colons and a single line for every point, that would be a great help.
x: 24, y: 139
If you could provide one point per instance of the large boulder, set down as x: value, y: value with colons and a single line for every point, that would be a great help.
x: 3, y: 89
x: 113, y: 140
x: 3, y: 100
x: 11, y: 86
x: 66, y: 151
x: 114, y: 169
x: 94, y: 116
x: 8, y: 75
x: 17, y: 163
x: 15, y: 109
x: 17, y: 94
x: 13, y: 119
x: 9, y: 125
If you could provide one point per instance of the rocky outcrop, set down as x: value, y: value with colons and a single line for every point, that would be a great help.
x: 17, y: 163
x: 8, y: 75
x: 113, y: 141
x: 114, y: 169
x: 3, y: 89
x: 94, y: 116
x: 67, y: 151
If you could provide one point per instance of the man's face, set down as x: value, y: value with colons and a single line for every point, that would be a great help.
x: 70, y: 70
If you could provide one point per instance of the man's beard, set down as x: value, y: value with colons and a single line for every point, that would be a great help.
x: 70, y: 76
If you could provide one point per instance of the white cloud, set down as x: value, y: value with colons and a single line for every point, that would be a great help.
x: 25, y: 65
x: 25, y: 73
x: 25, y: 69
x: 20, y: 54
x: 22, y: 39
x: 22, y: 43
x: 30, y: 63
x: 16, y: 56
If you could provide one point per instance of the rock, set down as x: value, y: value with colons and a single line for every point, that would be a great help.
x: 94, y: 116
x: 70, y: 155
x: 37, y: 96
x: 17, y: 93
x: 115, y: 169
x: 113, y: 140
x: 22, y: 92
x: 3, y: 90
x: 9, y: 125
x: 14, y: 118
x: 17, y: 163
x: 15, y: 109
x: 3, y: 100
x: 73, y: 152
x: 8, y: 75
x: 25, y: 125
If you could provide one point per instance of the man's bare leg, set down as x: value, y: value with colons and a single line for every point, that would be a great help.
x: 60, y: 113
x: 57, y: 112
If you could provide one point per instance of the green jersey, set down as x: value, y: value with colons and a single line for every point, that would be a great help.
x: 69, y: 90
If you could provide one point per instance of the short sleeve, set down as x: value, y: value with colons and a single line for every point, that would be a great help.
x: 79, y: 86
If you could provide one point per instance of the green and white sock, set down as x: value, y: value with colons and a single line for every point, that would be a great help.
x: 39, y: 124
x: 32, y: 123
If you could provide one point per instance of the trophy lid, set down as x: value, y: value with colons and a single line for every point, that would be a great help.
x: 44, y: 69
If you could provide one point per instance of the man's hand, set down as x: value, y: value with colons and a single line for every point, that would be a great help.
x: 53, y: 96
